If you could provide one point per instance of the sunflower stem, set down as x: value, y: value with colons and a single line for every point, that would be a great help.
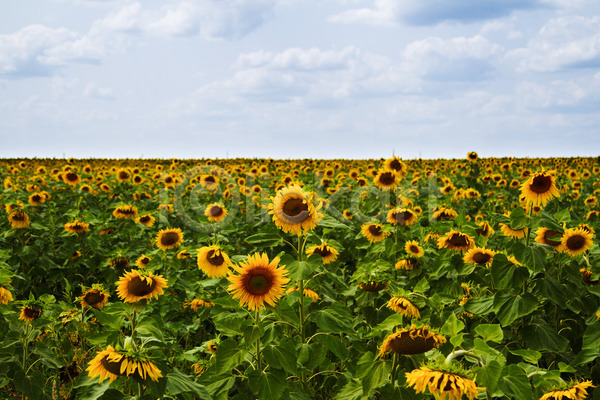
x: 258, y: 355
x: 529, y: 226
x: 301, y: 306
x: 26, y: 344
x: 394, y: 367
x: 458, y: 353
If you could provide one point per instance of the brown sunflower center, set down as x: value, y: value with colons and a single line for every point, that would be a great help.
x: 296, y: 210
x: 541, y: 184
x: 71, y: 176
x: 405, y: 344
x: 548, y: 234
x: 123, y: 175
x: 387, y: 178
x: 458, y: 240
x: 481, y: 258
x: 18, y: 216
x: 215, y: 259
x: 93, y: 297
x: 169, y: 238
x: 402, y: 216
x: 575, y: 242
x: 36, y: 198
x: 111, y: 366
x: 210, y: 179
x: 258, y: 281
x: 215, y: 211
x: 140, y: 287
x: 375, y: 230
x: 413, y: 249
x: 145, y: 219
x: 323, y: 252
x: 32, y: 312
x: 395, y: 165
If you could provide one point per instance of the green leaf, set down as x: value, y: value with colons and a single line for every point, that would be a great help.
x: 534, y: 258
x: 508, y: 307
x: 353, y: 390
x: 229, y: 355
x: 489, y: 375
x: 267, y: 385
x: 282, y: 356
x: 514, y: 383
x: 541, y: 337
x: 335, y: 345
x: 518, y: 218
x: 373, y: 373
x: 506, y: 275
x: 30, y: 386
x: 528, y: 355
x: 264, y: 239
x: 334, y: 319
x: 490, y: 332
x: 178, y: 382
x: 590, y: 348
x: 452, y: 326
x: 300, y: 270
x: 481, y: 306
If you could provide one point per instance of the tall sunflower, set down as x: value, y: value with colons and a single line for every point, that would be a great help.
x: 394, y: 164
x: 574, y: 391
x: 293, y: 211
x: 215, y: 212
x: 135, y: 286
x: 455, y: 240
x: 95, y: 297
x: 576, y: 241
x: 327, y: 252
x: 213, y: 261
x: 111, y: 364
x: 411, y: 341
x: 258, y: 281
x: 401, y: 216
x: 373, y: 232
x: 18, y: 219
x: 169, y: 238
x: 404, y: 306
x: 539, y: 188
x: 441, y: 383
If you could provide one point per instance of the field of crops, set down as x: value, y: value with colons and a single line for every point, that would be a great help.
x: 300, y: 279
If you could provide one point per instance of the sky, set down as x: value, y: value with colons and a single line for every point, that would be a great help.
x: 299, y: 79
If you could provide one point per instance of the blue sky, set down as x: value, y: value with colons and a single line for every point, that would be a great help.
x: 297, y: 78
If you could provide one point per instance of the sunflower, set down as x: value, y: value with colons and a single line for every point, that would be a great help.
x: 386, y: 179
x: 125, y: 211
x: 574, y: 391
x: 484, y: 229
x: 146, y: 220
x: 135, y: 286
x: 479, y: 256
x: 293, y: 211
x: 215, y: 212
x: 586, y: 277
x: 71, y: 178
x: 411, y: 341
x: 394, y: 164
x: 444, y: 214
x: 455, y: 240
x: 77, y: 227
x: 36, y: 199
x: 197, y: 303
x: 404, y: 306
x: 258, y: 281
x: 576, y: 241
x: 111, y: 364
x: 169, y: 238
x: 539, y: 188
x: 94, y: 297
x: 374, y: 232
x: 327, y: 252
x: 508, y: 231
x: 307, y: 293
x: 408, y: 264
x: 544, y: 235
x: 443, y: 384
x: 123, y: 175
x: 30, y: 313
x: 401, y: 216
x: 472, y: 156
x: 18, y: 219
x: 213, y: 261
x: 413, y: 248
x: 5, y: 295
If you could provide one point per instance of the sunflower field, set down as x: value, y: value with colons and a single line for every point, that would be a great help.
x: 300, y: 279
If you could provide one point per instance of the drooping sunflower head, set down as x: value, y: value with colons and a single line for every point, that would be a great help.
x: 215, y: 212
x: 95, y: 297
x: 111, y: 364
x: 508, y: 231
x: 479, y: 256
x: 484, y: 229
x: 374, y: 232
x: 257, y: 281
x: 169, y: 238
x: 125, y: 211
x: 293, y: 210
x: 539, y: 188
x: 30, y: 313
x: 146, y: 220
x: 307, y: 293
x: 213, y: 261
x: 456, y: 241
x: 570, y: 390
x: 576, y: 241
x: 137, y: 285
x: 327, y: 252
x: 407, y: 264
x: 77, y: 227
x: 413, y: 249
x: 444, y: 214
x: 401, y: 216
x: 440, y: 382
x: 18, y: 218
x: 411, y: 341
x: 404, y: 306
x: 197, y: 303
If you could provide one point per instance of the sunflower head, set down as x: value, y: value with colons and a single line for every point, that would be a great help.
x: 539, y: 188
x: 387, y: 179
x: 215, y: 212
x: 95, y: 297
x: 576, y: 241
x: 110, y: 363
x: 213, y: 261
x: 413, y: 248
x: 18, y: 218
x: 293, y: 210
x: 327, y: 252
x: 137, y: 285
x: 146, y: 220
x: 456, y: 241
x: 374, y: 232
x: 479, y: 256
x: 125, y: 211
x: 568, y: 390
x: 401, y: 216
x: 169, y: 238
x: 30, y: 313
x: 443, y: 381
x: 5, y: 295
x: 411, y: 341
x: 404, y: 306
x: 77, y: 227
x: 258, y: 281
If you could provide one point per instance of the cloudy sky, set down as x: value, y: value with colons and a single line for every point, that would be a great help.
x: 298, y: 78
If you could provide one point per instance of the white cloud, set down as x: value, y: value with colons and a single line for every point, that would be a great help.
x: 565, y: 42
x: 92, y: 91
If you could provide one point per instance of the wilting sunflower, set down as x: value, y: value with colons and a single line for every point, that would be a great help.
x: 544, y: 235
x: 455, y: 240
x: 479, y: 256
x: 258, y: 281
x: 125, y: 211
x: 111, y: 364
x: 94, y: 297
x: 5, y: 295
x: 484, y: 229
x: 374, y: 232
x: 444, y: 214
x: 18, y: 219
x: 408, y: 264
x: 327, y: 252
x: 401, y: 216
x: 293, y: 211
x: 215, y: 212
x: 573, y: 391
x: 169, y: 238
x: 586, y: 277
x: 413, y: 248
x: 411, y: 341
x: 146, y: 220
x: 539, y: 188
x: 213, y: 261
x: 402, y: 305
x: 386, y: 179
x: 135, y: 286
x: 77, y: 227
x: 307, y: 293
x: 576, y: 241
x: 197, y: 303
x: 35, y: 199
x: 30, y: 313
x: 508, y: 231
x: 450, y: 385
